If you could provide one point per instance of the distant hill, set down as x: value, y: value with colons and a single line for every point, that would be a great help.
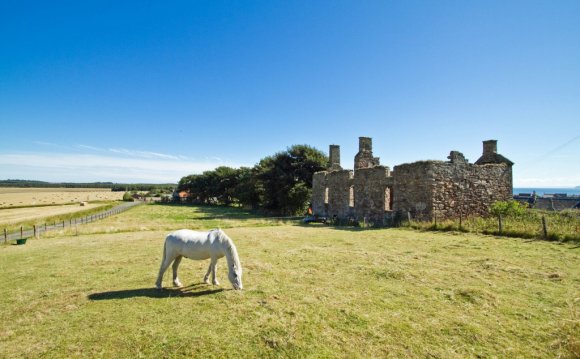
x: 111, y: 185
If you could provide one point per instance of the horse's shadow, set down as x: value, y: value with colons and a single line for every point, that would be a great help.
x: 189, y: 291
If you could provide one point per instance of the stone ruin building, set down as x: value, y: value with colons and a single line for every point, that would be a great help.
x: 427, y: 190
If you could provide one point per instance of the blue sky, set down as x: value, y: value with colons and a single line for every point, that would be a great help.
x: 139, y: 91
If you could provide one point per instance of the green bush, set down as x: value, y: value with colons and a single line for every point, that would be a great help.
x: 509, y: 208
x: 127, y: 197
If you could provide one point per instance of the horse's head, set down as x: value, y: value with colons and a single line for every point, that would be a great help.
x: 235, y: 267
x: 235, y: 276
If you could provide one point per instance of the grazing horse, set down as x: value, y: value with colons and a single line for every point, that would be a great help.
x: 214, y: 244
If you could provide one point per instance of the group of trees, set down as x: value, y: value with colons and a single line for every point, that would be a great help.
x: 280, y: 184
x: 161, y: 188
x: 41, y: 184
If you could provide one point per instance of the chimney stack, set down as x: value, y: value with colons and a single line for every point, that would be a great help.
x: 490, y: 154
x: 489, y: 147
x: 364, y: 158
x: 365, y: 144
x: 334, y: 158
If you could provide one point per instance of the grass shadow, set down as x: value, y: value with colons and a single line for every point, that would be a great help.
x: 215, y: 211
x: 189, y: 291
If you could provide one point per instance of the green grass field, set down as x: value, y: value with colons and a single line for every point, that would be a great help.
x: 309, y: 291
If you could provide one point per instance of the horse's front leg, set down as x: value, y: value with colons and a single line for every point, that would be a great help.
x: 176, y: 281
x: 206, y: 277
x: 211, y: 270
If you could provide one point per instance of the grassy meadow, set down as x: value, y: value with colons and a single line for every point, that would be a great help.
x: 309, y: 291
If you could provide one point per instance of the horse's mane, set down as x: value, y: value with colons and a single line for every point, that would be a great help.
x: 230, y: 247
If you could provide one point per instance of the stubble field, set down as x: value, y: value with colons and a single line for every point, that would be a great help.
x: 309, y: 291
x: 28, y: 197
x: 27, y: 207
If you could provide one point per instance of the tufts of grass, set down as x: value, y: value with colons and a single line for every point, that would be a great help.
x: 561, y: 226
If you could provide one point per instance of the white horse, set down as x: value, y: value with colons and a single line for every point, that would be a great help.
x: 214, y: 244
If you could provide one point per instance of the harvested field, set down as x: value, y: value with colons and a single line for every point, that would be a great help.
x: 29, y: 197
x: 16, y: 215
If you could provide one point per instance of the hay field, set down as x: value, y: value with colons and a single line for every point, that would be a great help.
x: 309, y: 291
x: 28, y: 197
x: 14, y: 216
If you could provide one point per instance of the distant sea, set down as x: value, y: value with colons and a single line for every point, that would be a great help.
x: 543, y: 191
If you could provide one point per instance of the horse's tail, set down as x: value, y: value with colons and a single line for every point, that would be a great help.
x: 164, y: 251
x: 162, y: 268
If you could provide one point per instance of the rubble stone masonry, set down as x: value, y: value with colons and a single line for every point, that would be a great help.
x: 428, y: 190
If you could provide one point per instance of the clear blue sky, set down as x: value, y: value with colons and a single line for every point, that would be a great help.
x: 135, y: 91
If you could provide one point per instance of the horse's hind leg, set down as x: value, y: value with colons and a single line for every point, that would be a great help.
x: 176, y: 281
x: 164, y: 265
x: 165, y: 262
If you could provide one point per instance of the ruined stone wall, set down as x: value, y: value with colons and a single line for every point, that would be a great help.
x: 413, y: 188
x: 427, y: 189
x: 319, y: 186
x: 444, y: 190
x: 331, y: 195
x: 370, y: 193
x: 339, y: 183
x: 469, y: 190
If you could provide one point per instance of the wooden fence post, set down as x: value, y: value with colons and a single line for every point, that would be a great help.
x: 20, y: 231
x: 34, y: 228
x: 544, y: 227
x: 500, y: 225
x: 5, y: 235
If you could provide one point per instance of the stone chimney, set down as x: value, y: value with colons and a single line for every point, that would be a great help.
x: 365, y: 144
x: 490, y: 154
x: 334, y: 158
x: 364, y: 158
x: 489, y: 147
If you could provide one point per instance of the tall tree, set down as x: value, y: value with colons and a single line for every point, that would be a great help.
x: 287, y: 178
x: 280, y: 183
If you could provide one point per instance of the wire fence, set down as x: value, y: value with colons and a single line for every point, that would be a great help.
x: 38, y: 230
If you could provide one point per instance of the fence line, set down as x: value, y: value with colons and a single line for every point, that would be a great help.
x: 36, y: 231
